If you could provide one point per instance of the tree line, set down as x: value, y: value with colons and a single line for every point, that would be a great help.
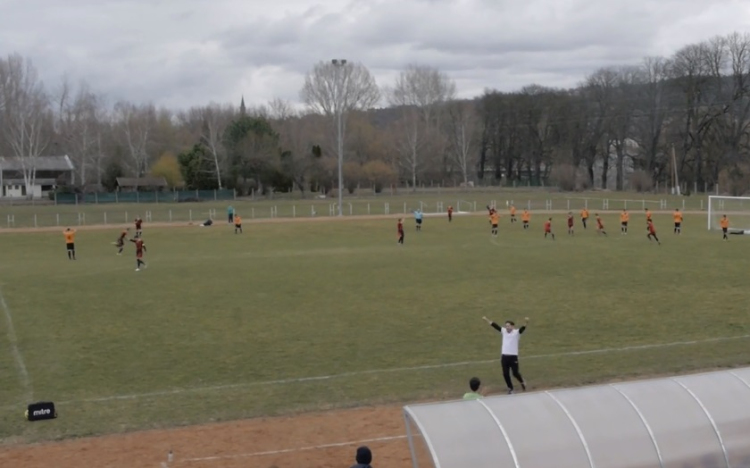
x: 668, y: 120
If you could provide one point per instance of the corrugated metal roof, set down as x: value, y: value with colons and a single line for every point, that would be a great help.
x: 43, y: 163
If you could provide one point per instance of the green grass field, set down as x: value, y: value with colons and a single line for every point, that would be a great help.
x: 291, y: 317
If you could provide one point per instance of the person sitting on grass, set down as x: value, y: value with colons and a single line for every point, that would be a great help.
x: 475, y: 393
x: 363, y: 458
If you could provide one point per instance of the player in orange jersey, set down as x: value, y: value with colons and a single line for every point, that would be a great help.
x: 70, y: 243
x: 494, y: 220
x: 677, y: 221
x: 624, y: 218
x: 584, y: 216
x: 525, y: 219
x: 724, y: 222
x: 513, y: 214
x: 237, y: 224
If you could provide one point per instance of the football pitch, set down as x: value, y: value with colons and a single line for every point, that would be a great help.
x: 299, y: 316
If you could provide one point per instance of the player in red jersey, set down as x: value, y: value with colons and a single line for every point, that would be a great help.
x: 400, y: 228
x: 140, y: 248
x: 138, y: 223
x: 599, y: 225
x: 570, y: 224
x: 548, y: 229
x: 652, y: 232
x: 450, y: 214
x: 120, y: 242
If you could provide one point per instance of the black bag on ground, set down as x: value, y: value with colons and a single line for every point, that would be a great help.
x: 40, y: 411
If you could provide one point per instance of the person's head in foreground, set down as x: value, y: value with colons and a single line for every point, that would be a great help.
x: 509, y: 325
x: 363, y: 457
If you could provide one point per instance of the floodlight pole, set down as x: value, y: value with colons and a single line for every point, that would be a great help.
x: 338, y: 64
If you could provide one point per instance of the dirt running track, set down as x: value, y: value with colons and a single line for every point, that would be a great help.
x: 323, y: 440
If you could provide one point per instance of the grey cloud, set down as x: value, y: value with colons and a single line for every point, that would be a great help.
x: 192, y: 52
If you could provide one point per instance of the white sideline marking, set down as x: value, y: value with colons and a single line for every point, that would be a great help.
x: 293, y: 450
x: 25, y: 381
x: 318, y: 378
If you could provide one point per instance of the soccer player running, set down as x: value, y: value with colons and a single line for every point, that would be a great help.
x: 570, y: 224
x: 677, y: 221
x: 120, y: 242
x: 70, y: 243
x: 494, y: 221
x: 599, y: 225
x: 509, y: 357
x: 548, y: 229
x: 450, y: 214
x: 648, y: 215
x: 652, y: 232
x: 525, y: 219
x: 138, y: 223
x: 400, y: 228
x: 513, y: 214
x: 584, y: 217
x: 237, y: 224
x: 724, y: 223
x: 140, y: 248
x: 418, y: 219
x: 624, y: 218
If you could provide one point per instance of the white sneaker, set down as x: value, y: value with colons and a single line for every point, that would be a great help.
x: 137, y: 269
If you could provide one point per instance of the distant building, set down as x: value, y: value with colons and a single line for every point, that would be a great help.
x: 51, y: 172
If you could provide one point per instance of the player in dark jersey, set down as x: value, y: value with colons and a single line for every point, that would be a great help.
x: 570, y: 224
x: 140, y: 248
x: 120, y: 242
x: 138, y: 223
x: 400, y: 228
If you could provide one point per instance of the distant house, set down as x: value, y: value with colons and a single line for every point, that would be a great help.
x: 127, y: 184
x: 51, y: 172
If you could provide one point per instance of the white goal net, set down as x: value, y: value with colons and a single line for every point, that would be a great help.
x: 737, y: 210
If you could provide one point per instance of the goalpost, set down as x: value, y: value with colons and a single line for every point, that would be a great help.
x: 737, y: 210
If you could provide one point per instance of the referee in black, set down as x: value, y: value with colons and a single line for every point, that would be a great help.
x: 509, y: 358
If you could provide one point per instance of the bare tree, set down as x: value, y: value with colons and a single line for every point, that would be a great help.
x: 336, y: 88
x: 652, y: 108
x: 419, y: 91
x: 25, y: 115
x: 208, y: 124
x: 134, y: 125
x: 78, y: 127
x: 462, y: 130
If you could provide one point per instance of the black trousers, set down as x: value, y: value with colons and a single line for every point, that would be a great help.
x: 510, y: 364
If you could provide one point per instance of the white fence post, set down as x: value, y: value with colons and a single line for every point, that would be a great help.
x: 568, y: 204
x: 368, y: 209
x: 57, y: 215
x: 387, y: 208
x: 548, y: 205
x: 105, y: 217
x: 351, y: 209
x: 252, y: 213
x: 35, y: 225
x: 312, y: 210
x: 404, y: 207
x: 170, y: 216
x: 190, y: 214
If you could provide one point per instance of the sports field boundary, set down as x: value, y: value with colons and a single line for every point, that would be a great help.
x: 322, y: 219
x: 294, y: 450
x: 15, y: 350
x: 319, y: 378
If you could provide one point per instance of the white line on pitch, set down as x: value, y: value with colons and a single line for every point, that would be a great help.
x: 293, y: 450
x: 297, y: 380
x: 25, y: 380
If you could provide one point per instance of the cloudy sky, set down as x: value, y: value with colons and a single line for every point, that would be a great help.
x: 180, y: 53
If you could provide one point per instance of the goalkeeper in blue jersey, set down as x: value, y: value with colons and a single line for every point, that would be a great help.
x: 418, y: 219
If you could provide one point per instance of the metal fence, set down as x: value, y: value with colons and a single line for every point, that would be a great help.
x: 175, y: 196
x: 39, y: 217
